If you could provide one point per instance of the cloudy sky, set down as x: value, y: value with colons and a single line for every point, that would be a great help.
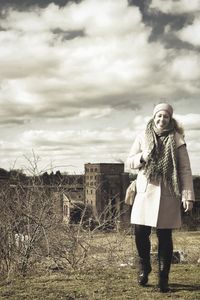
x: 79, y: 79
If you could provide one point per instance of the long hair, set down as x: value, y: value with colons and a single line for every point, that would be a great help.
x: 178, y: 127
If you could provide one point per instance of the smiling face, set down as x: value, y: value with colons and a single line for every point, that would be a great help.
x: 162, y: 119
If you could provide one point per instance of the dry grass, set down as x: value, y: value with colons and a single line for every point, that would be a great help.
x: 110, y: 274
x: 120, y: 248
x: 103, y: 284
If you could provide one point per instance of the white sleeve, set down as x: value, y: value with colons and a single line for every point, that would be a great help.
x: 134, y: 158
x: 185, y: 174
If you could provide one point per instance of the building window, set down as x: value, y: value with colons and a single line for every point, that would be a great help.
x: 64, y: 210
x: 91, y: 170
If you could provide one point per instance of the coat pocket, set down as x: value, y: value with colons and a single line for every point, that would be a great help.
x: 141, y: 183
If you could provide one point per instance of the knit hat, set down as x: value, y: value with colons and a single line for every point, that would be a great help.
x: 163, y: 106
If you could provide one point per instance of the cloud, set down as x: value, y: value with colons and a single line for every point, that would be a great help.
x: 95, y: 112
x: 175, y: 7
x: 67, y: 147
x: 190, y: 121
x: 190, y: 33
x: 70, y: 149
x: 81, y: 138
x: 44, y: 72
x: 186, y: 67
x: 109, y: 65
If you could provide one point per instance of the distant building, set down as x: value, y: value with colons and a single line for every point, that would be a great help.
x: 104, y: 189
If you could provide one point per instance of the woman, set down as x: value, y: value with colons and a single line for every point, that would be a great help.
x: 164, y: 181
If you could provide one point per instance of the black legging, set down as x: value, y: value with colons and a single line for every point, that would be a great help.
x: 142, y: 240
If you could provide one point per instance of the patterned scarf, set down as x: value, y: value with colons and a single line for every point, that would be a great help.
x: 162, y: 159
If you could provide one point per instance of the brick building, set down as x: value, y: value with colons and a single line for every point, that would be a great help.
x: 104, y: 189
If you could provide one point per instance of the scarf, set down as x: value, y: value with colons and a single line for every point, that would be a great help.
x: 162, y: 159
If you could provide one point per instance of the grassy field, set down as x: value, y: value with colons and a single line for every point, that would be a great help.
x: 104, y: 284
x: 116, y: 280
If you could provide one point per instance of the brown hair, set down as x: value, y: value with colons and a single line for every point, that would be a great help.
x: 178, y: 127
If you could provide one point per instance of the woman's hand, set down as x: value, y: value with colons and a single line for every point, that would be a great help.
x: 187, y: 205
x: 145, y: 154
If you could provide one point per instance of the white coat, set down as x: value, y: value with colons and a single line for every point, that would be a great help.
x: 154, y: 205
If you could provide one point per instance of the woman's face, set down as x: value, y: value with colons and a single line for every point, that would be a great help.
x: 162, y: 119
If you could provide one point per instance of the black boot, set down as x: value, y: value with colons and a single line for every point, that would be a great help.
x: 165, y: 252
x: 164, y: 267
x: 144, y: 270
x: 142, y: 240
